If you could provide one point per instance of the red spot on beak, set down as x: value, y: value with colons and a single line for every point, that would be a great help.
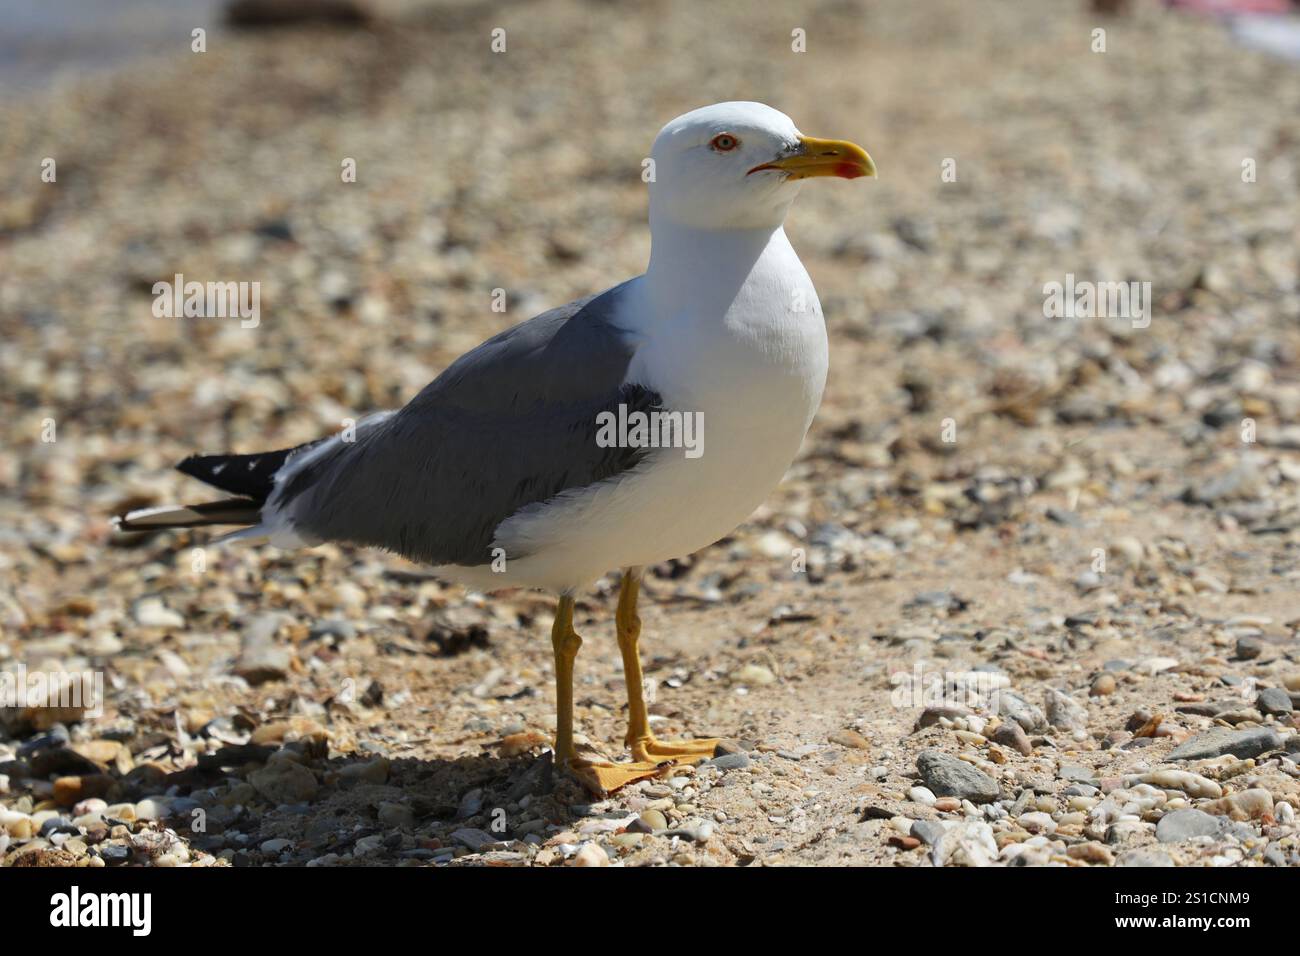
x: 849, y: 170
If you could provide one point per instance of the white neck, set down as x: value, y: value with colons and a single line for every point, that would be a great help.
x: 706, y: 266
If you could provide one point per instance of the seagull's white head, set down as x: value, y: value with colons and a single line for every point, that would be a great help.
x: 739, y: 166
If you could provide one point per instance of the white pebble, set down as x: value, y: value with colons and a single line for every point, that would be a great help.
x: 921, y: 795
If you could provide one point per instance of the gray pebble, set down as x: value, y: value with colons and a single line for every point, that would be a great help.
x: 1145, y: 856
x: 1249, y: 648
x: 730, y: 762
x: 1014, y: 707
x: 1240, y: 743
x: 1275, y: 701
x: 1179, y: 825
x: 947, y: 776
x: 927, y: 831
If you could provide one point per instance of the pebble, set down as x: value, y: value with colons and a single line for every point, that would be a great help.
x: 1037, y: 822
x: 1064, y: 712
x: 1145, y: 856
x: 150, y: 809
x: 1249, y: 648
x: 368, y: 845
x: 115, y: 854
x: 965, y: 844
x: 397, y: 815
x: 283, y: 781
x: 933, y: 715
x: 590, y: 854
x: 927, y: 831
x: 654, y: 820
x: 736, y: 761
x: 371, y: 771
x: 850, y: 738
x: 1011, y: 734
x: 1179, y: 825
x: 473, y: 838
x: 1275, y: 701
x: 755, y: 675
x: 1221, y: 740
x: 1014, y: 707
x: 1190, y: 783
x: 1103, y: 685
x: 1251, y: 804
x: 921, y: 795
x: 470, y: 804
x: 947, y: 776
x: 151, y: 612
x: 1091, y: 852
x: 697, y: 831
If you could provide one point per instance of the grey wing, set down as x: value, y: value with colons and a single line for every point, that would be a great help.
x: 511, y: 423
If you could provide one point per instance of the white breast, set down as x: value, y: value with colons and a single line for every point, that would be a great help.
x: 754, y: 369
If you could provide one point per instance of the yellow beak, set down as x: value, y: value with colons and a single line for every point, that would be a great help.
x: 823, y: 157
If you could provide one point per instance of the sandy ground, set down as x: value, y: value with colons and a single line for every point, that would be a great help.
x: 1101, y: 508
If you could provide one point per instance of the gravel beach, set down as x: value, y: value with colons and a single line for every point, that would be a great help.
x: 1029, y: 596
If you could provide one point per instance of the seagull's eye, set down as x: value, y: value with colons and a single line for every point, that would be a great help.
x: 723, y: 143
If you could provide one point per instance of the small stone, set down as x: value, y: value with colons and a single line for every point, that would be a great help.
x: 965, y: 844
x: 932, y: 715
x: 397, y: 815
x: 1091, y: 853
x: 1037, y: 822
x: 115, y: 854
x: 590, y: 854
x: 927, y: 831
x: 947, y: 776
x: 1192, y: 784
x: 264, y: 663
x: 1011, y: 734
x: 1077, y: 775
x: 1185, y: 824
x: 1253, y: 804
x: 1145, y: 856
x: 851, y: 739
x: 921, y: 795
x: 1014, y: 707
x: 654, y: 820
x: 283, y: 781
x: 371, y: 771
x: 473, y: 838
x: 1222, y: 740
x: 1064, y: 712
x: 738, y: 761
x: 470, y: 804
x: 150, y: 809
x: 276, y: 846
x: 1249, y: 648
x: 755, y: 675
x: 151, y: 612
x: 1103, y: 685
x: 1274, y: 701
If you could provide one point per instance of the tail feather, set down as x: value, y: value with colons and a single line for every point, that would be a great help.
x: 238, y: 511
x: 252, y: 476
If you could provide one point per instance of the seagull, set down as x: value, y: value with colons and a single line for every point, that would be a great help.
x: 616, y: 432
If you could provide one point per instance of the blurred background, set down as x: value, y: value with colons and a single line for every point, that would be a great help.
x: 1016, y: 145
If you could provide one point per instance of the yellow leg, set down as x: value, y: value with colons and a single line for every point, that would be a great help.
x: 645, y: 748
x: 599, y: 776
